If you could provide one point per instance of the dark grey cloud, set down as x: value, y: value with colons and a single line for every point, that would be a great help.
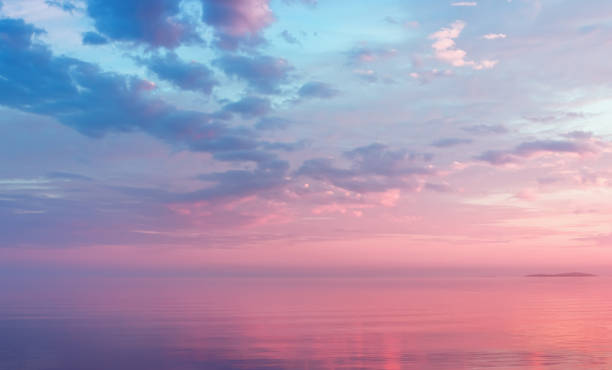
x: 264, y: 74
x: 192, y: 76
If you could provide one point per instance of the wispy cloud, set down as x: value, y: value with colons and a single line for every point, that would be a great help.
x: 248, y: 117
x: 579, y: 147
x: 464, y: 3
x: 494, y: 36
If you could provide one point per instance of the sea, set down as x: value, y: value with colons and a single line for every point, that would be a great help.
x: 134, y: 323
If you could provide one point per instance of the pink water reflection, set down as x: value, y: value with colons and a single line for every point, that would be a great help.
x: 501, y: 323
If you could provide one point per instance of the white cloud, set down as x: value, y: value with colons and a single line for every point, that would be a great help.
x: 446, y: 50
x: 464, y: 3
x: 493, y: 36
x: 485, y: 64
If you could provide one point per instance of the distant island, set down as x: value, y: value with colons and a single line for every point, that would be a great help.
x: 563, y: 274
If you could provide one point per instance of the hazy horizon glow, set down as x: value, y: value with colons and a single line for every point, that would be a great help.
x: 284, y: 137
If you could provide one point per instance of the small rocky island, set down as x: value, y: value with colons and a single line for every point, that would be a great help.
x: 563, y: 274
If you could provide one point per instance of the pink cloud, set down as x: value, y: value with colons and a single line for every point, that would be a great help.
x: 370, y: 55
x: 237, y: 21
x: 446, y: 50
x: 238, y: 17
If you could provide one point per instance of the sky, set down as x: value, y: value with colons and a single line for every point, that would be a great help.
x: 305, y: 136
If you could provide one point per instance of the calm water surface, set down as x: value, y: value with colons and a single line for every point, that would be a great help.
x: 150, y: 324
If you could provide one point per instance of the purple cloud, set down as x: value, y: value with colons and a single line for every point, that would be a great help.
x: 67, y: 176
x: 561, y: 116
x: 438, y: 188
x: 450, y: 142
x: 374, y: 168
x: 486, y: 129
x: 269, y: 175
x: 272, y: 123
x: 237, y: 22
x: 262, y: 73
x: 364, y: 54
x: 249, y: 107
x: 94, y: 102
x: 497, y: 157
x: 192, y: 76
x: 528, y: 149
x: 157, y: 23
x: 316, y: 89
